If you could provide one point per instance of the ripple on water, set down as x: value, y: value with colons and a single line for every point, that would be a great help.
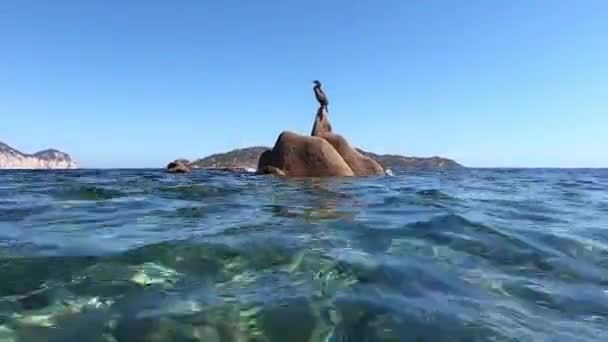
x: 460, y: 255
x: 86, y: 193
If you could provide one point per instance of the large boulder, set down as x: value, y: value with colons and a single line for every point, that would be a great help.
x: 296, y: 155
x: 360, y: 164
x: 322, y: 154
x: 178, y: 166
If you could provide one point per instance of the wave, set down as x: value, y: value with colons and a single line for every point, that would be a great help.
x: 463, y: 255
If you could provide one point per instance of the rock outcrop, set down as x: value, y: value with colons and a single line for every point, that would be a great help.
x: 11, y: 158
x: 296, y: 155
x: 178, y: 166
x: 321, y: 125
x: 360, y: 164
x: 247, y: 158
x: 323, y: 154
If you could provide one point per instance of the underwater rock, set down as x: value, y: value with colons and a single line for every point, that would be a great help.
x: 150, y: 273
x: 206, y: 334
x: 7, y: 334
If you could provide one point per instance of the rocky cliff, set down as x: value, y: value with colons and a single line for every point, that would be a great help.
x: 247, y: 158
x: 11, y: 158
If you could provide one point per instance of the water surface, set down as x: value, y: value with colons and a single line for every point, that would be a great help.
x: 459, y: 255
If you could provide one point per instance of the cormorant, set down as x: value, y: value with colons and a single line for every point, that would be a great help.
x: 320, y: 95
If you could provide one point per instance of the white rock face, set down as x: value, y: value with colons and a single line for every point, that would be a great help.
x: 11, y: 158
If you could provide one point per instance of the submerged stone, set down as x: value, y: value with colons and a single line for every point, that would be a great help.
x: 7, y: 334
x: 151, y: 273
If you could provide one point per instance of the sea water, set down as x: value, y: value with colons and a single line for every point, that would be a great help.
x: 446, y: 255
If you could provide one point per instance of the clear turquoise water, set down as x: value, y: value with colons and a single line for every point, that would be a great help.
x: 461, y: 255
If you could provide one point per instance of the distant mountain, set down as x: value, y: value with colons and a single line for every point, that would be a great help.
x: 11, y: 158
x: 248, y: 158
x: 244, y: 158
x: 395, y: 161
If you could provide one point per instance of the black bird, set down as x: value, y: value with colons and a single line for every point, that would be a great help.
x: 320, y: 95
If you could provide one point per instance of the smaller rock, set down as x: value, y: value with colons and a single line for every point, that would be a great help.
x: 178, y: 166
x: 321, y: 125
x: 206, y: 333
x: 271, y: 170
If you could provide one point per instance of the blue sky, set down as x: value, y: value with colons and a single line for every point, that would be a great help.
x: 139, y: 83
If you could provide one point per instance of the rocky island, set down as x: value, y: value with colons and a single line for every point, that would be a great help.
x: 396, y: 161
x: 247, y: 159
x: 11, y: 158
x: 243, y: 158
x: 322, y: 153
